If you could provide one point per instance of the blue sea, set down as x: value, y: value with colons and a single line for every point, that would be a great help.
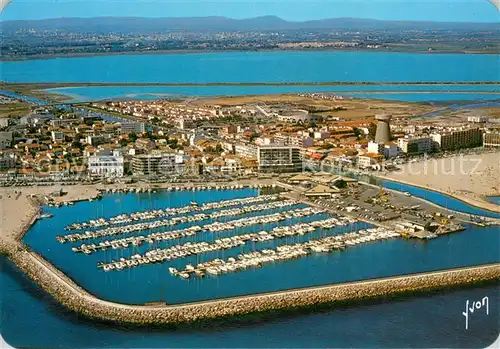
x: 32, y: 319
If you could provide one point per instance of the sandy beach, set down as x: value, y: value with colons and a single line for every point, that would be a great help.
x: 17, y: 213
x: 470, y: 178
x: 18, y: 209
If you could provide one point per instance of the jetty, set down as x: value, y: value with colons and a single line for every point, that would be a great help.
x: 77, y: 299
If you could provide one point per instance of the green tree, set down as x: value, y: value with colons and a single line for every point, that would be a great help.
x: 357, y: 132
x: 132, y: 136
x: 77, y: 144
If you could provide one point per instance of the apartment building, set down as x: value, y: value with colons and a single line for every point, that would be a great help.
x: 247, y: 150
x: 457, y: 139
x: 57, y: 136
x: 132, y: 127
x: 369, y: 160
x: 415, y: 145
x: 7, y: 162
x: 279, y: 159
x: 5, y: 140
x: 159, y: 164
x: 387, y: 149
x: 106, y: 165
x: 98, y: 139
x: 491, y: 139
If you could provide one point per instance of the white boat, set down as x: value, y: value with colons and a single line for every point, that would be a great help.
x: 45, y: 215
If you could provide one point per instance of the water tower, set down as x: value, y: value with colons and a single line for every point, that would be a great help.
x: 383, y: 129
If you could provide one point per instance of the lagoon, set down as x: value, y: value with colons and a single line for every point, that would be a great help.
x: 257, y: 67
x: 394, y: 92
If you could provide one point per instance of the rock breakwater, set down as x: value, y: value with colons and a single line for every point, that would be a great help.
x: 77, y: 299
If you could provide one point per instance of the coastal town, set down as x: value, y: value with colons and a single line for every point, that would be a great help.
x: 163, y: 140
x: 249, y: 174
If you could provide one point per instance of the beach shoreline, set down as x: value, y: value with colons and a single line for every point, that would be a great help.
x: 472, y: 183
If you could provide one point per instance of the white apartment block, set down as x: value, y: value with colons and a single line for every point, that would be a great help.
x: 108, y: 166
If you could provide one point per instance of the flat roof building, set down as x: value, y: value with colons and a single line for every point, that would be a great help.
x: 132, y: 127
x: 457, y: 139
x: 162, y: 164
x: 279, y: 159
x: 491, y: 139
x: 5, y: 140
x: 106, y: 165
x: 415, y: 145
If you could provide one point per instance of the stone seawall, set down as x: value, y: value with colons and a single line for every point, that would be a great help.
x: 75, y: 298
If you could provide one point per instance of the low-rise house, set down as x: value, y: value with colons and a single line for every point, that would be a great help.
x: 370, y: 160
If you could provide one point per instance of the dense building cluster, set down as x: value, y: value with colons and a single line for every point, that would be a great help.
x: 165, y: 139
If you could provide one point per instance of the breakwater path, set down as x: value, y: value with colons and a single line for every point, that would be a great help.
x: 77, y: 299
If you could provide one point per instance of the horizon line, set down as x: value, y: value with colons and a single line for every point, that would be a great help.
x: 245, y: 18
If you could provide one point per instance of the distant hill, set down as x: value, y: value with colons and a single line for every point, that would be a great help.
x: 196, y: 24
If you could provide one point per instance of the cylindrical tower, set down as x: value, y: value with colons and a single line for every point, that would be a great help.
x: 383, y: 129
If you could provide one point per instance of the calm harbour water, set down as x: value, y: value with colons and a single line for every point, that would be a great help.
x: 440, y: 199
x: 154, y: 283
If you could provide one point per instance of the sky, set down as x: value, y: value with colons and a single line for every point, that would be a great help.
x: 295, y: 10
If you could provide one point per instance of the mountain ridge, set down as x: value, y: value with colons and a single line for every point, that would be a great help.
x: 220, y: 23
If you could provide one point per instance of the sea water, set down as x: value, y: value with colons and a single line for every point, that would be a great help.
x: 33, y: 319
